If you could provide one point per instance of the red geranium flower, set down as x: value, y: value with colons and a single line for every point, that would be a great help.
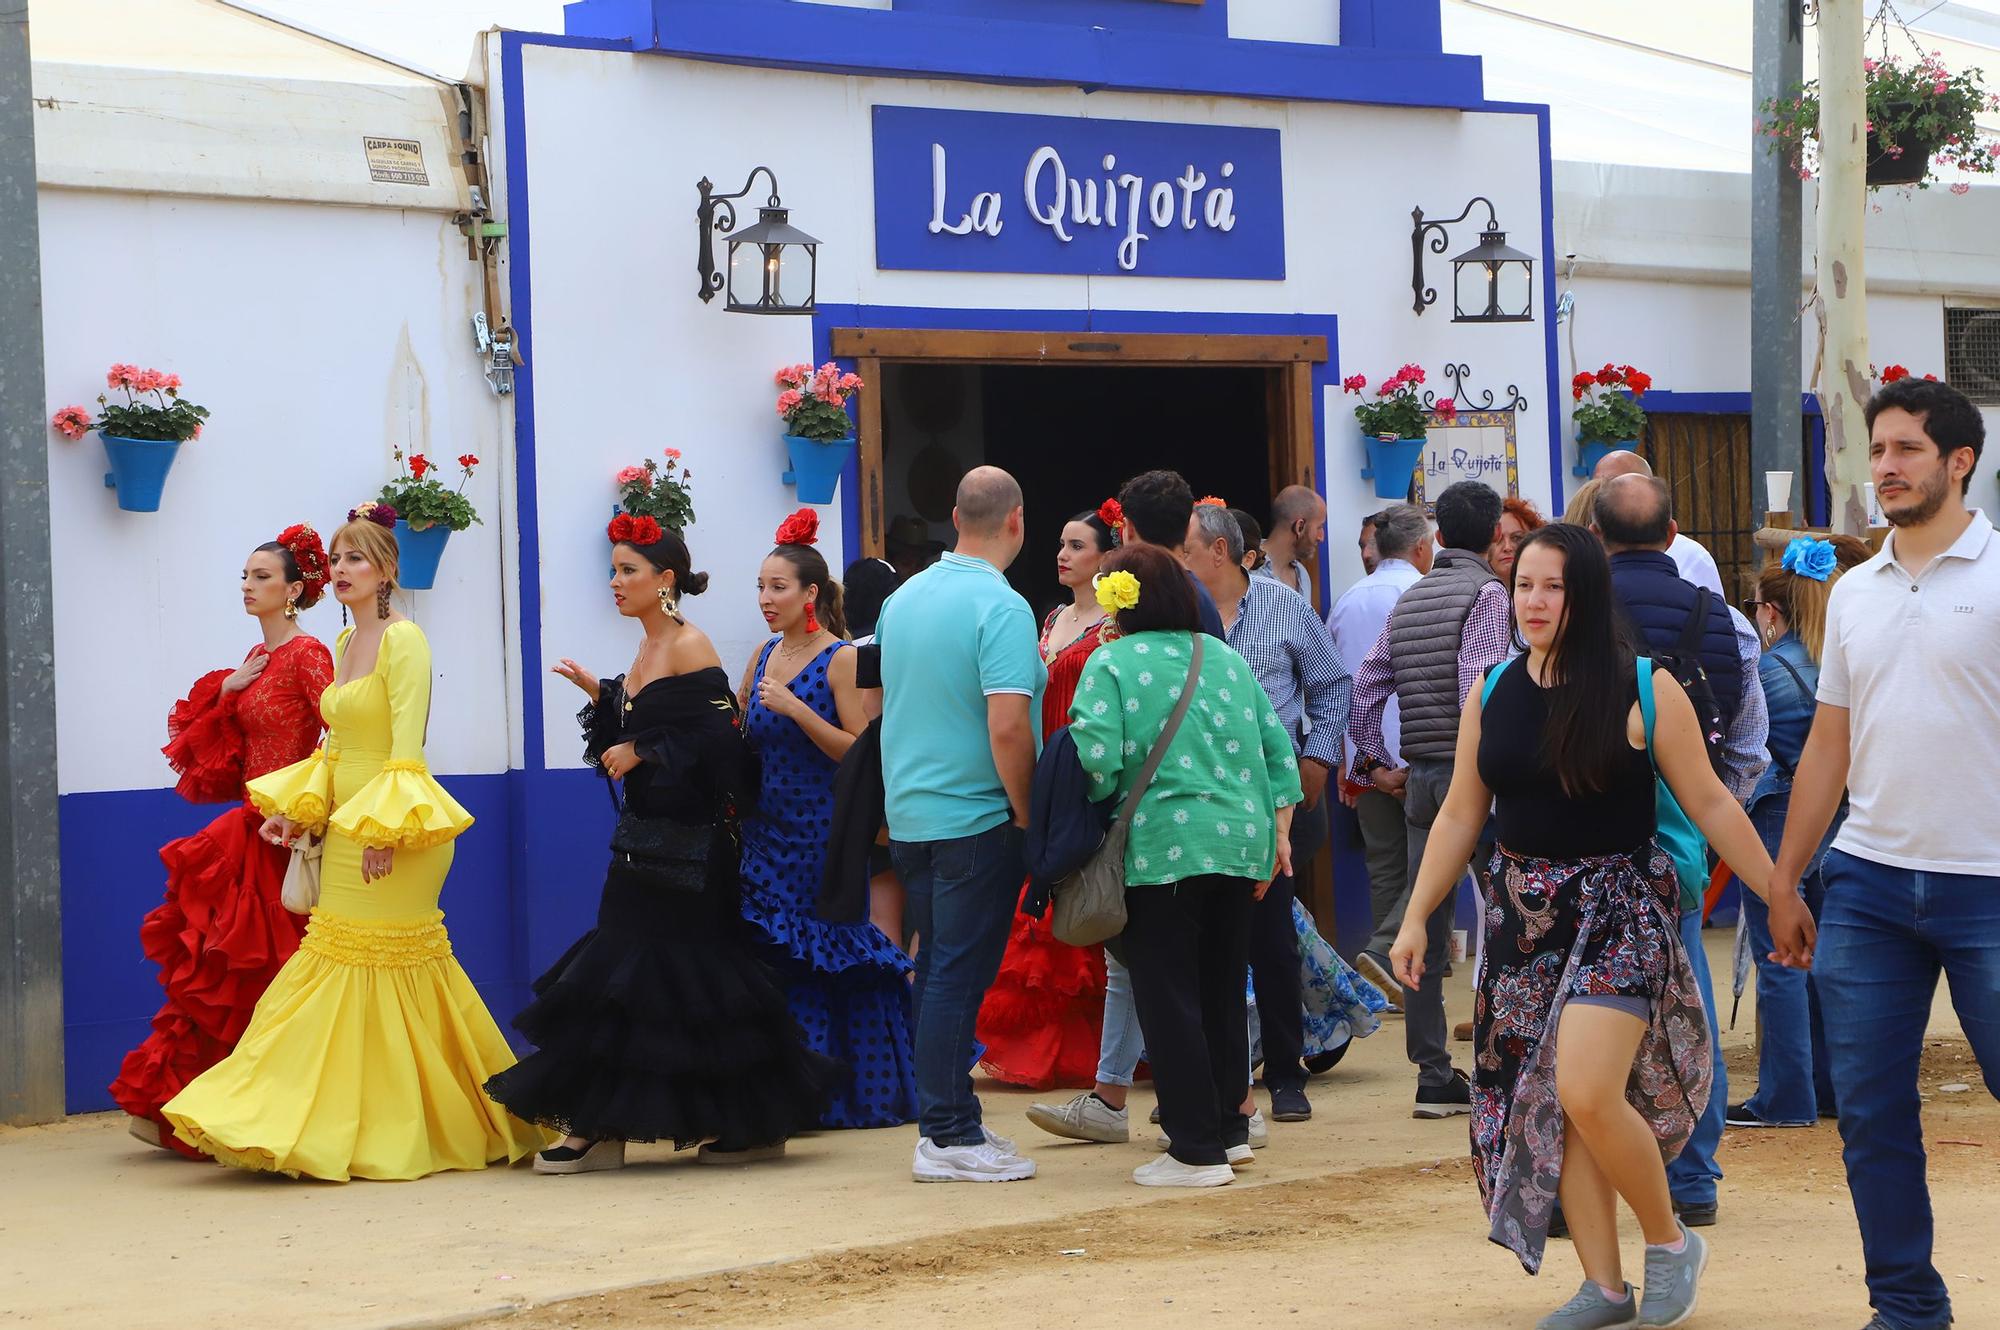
x: 1582, y: 381
x: 1893, y: 373
x: 418, y: 465
x: 468, y: 461
x: 626, y: 529
x: 1638, y: 381
x: 1608, y: 375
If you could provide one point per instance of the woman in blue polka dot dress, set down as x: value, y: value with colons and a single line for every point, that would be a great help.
x: 846, y: 982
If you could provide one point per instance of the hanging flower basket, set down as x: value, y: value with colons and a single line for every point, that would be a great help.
x: 1392, y: 465
x: 819, y: 434
x: 1392, y: 428
x: 1920, y: 117
x: 1589, y: 452
x: 142, y: 435
x: 1904, y: 163
x: 427, y: 513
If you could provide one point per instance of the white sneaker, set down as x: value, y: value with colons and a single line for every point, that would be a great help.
x: 1260, y: 1136
x: 1167, y: 1171
x: 1084, y: 1118
x: 968, y: 1163
x: 1241, y: 1156
x: 997, y: 1141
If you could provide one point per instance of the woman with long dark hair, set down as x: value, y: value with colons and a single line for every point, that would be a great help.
x: 1044, y: 1013
x: 1583, y: 948
x: 801, y: 713
x: 659, y: 1023
x: 222, y: 932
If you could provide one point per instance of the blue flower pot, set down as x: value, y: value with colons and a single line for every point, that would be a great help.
x: 1392, y: 465
x: 1589, y: 452
x: 816, y: 466
x: 138, y: 470
x: 419, y: 554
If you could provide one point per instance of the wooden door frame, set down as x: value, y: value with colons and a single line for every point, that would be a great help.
x: 1288, y: 357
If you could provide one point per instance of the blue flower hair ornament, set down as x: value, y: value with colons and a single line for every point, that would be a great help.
x: 1807, y: 557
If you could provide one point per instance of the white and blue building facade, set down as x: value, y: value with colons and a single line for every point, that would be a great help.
x: 961, y: 163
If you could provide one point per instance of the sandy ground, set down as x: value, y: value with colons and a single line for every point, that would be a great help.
x: 1362, y: 1217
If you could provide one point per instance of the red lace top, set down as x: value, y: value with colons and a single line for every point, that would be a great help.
x: 1065, y: 671
x: 216, y: 741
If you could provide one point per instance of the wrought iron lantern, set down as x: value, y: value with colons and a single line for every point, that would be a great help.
x: 773, y: 267
x: 1491, y: 282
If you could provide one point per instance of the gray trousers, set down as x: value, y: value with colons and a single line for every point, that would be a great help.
x: 1424, y: 1030
x: 1385, y: 842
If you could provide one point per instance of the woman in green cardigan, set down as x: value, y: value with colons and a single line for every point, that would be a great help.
x: 1210, y: 832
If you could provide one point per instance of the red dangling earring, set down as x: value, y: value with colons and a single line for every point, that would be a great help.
x: 812, y: 620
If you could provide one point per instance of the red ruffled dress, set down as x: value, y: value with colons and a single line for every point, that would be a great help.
x: 222, y: 933
x: 1044, y: 1015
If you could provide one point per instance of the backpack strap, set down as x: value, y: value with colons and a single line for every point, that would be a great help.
x: 1493, y: 674
x: 1695, y: 628
x: 1647, y: 711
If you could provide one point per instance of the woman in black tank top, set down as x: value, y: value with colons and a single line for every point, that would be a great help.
x: 1582, y: 938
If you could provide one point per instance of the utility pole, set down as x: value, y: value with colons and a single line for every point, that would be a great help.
x: 1776, y: 429
x: 31, y: 1010
x: 1841, y: 301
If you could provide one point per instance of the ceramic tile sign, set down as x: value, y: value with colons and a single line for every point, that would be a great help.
x: 1474, y: 445
x: 978, y: 191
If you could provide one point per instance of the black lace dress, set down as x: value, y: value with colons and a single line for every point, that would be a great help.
x: 661, y: 1023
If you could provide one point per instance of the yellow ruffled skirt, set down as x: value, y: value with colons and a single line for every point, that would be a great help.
x: 366, y: 1055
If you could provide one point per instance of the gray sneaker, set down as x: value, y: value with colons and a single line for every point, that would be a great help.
x: 1591, y: 1310
x: 1084, y: 1118
x: 1672, y: 1282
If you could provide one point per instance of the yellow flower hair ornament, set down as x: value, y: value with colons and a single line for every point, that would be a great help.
x: 1117, y: 591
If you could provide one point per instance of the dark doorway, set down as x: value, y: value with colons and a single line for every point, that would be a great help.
x: 1071, y: 434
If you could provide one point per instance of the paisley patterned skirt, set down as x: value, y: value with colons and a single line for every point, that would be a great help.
x: 1558, y: 929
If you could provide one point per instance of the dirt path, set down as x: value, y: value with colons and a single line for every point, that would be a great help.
x: 1399, y: 1247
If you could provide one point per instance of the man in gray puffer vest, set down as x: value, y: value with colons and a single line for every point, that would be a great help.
x: 1446, y: 631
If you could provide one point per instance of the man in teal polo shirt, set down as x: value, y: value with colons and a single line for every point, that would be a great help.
x: 961, y: 686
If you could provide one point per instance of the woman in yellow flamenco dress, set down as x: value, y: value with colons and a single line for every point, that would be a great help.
x: 365, y: 1057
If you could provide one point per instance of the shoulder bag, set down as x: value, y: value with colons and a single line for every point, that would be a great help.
x: 301, y: 890
x: 1090, y: 903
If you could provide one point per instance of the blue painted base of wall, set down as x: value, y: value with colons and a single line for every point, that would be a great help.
x: 524, y: 885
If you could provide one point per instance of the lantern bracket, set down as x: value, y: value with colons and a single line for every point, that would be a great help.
x: 717, y: 215
x: 1439, y: 242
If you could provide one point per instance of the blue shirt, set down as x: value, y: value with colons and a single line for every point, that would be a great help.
x: 951, y: 637
x: 1290, y: 652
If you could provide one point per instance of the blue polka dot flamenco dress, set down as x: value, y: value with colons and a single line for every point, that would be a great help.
x: 846, y: 983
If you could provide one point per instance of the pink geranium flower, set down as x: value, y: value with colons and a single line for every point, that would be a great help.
x: 1354, y: 383
x: 673, y: 454
x: 789, y: 400
x: 72, y: 422
x: 631, y: 475
x: 121, y: 376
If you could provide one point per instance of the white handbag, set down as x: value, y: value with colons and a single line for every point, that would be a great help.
x: 301, y: 890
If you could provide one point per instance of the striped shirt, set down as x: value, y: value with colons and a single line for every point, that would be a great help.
x: 1293, y: 657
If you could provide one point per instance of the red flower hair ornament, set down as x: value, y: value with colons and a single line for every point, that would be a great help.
x: 1111, y: 513
x: 638, y: 532
x: 308, y: 553
x: 801, y: 528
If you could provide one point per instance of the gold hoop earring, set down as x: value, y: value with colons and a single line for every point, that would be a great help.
x: 382, y: 601
x: 670, y: 605
x: 291, y: 607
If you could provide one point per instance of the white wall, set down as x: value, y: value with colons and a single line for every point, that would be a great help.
x: 290, y: 323
x: 1315, y: 22
x: 618, y: 333
x: 1695, y: 337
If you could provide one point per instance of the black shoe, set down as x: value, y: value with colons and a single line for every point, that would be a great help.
x: 1742, y: 1115
x: 1444, y: 1101
x: 1558, y: 1226
x: 1319, y: 1064
x: 1290, y: 1105
x: 1695, y: 1214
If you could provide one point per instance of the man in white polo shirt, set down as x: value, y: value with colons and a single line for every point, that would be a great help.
x: 1909, y: 724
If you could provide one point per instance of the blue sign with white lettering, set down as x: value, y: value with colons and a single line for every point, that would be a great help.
x: 976, y: 191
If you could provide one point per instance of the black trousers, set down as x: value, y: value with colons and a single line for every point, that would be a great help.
x: 1274, y: 959
x: 1187, y: 944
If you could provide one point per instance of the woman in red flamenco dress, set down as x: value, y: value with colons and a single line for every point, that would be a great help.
x: 1043, y: 1016
x: 222, y: 933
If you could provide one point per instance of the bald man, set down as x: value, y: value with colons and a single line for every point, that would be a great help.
x: 961, y: 683
x: 1696, y: 564
x: 1298, y: 525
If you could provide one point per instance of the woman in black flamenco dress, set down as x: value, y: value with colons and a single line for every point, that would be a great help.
x: 660, y: 1023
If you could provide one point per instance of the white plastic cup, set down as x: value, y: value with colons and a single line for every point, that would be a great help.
x: 1458, y: 944
x: 1875, y: 517
x: 1778, y: 489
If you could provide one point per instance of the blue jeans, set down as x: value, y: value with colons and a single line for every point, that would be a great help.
x: 1121, y: 1046
x: 1794, y: 1085
x: 959, y: 900
x: 1884, y: 936
x: 1693, y: 1174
